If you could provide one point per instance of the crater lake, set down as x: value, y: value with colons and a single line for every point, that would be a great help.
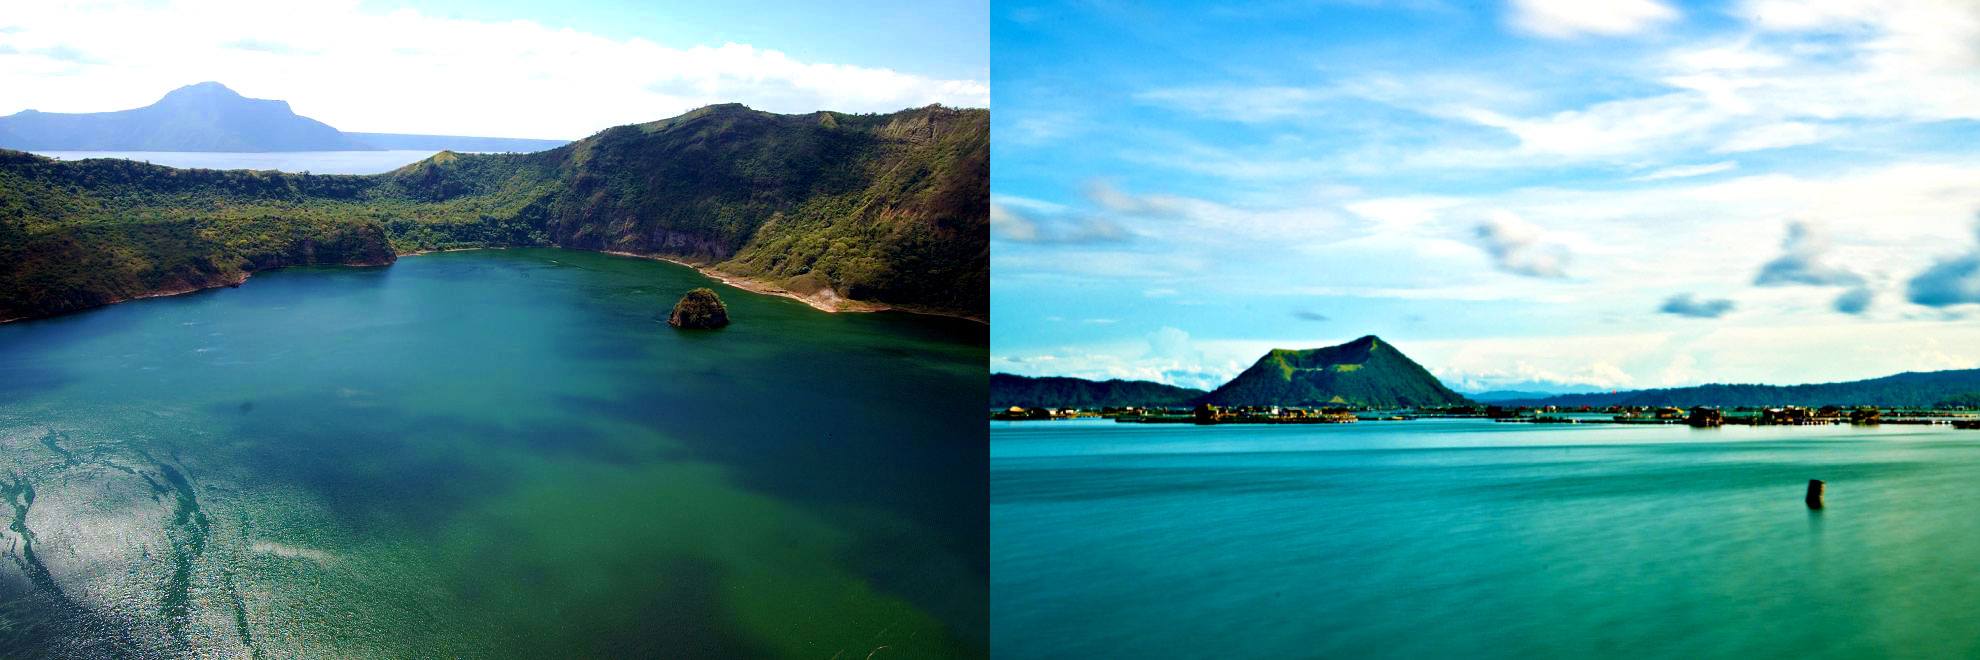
x: 493, y: 453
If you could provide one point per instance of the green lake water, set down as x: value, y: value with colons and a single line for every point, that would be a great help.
x: 1470, y: 539
x: 502, y: 453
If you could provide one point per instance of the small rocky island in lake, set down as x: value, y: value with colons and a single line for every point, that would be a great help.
x: 700, y: 308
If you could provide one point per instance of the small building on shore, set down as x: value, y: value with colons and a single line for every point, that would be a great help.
x: 1787, y: 415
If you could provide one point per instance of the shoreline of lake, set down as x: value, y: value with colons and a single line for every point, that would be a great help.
x: 829, y: 304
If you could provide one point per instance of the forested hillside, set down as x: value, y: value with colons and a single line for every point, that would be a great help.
x: 890, y: 209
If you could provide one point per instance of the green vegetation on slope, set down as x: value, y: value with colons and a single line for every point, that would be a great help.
x: 1967, y: 400
x: 1363, y: 372
x: 888, y: 208
x: 1008, y: 390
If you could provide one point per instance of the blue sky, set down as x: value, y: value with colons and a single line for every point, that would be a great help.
x: 938, y: 38
x: 502, y: 67
x: 1536, y: 194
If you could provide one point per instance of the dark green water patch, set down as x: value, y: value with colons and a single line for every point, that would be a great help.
x: 501, y: 454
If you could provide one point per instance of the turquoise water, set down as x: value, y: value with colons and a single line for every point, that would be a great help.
x: 1468, y: 539
x: 502, y: 453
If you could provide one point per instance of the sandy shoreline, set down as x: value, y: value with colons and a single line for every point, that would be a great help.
x: 826, y: 300
x: 825, y: 303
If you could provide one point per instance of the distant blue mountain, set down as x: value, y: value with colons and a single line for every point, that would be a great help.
x: 210, y: 117
x: 1508, y: 395
x: 1909, y: 389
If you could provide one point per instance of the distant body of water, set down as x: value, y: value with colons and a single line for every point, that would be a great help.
x: 314, y: 162
x: 497, y: 453
x: 1470, y: 539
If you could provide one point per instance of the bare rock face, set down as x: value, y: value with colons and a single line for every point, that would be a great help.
x: 699, y: 309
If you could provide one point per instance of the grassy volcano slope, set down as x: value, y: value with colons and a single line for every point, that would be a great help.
x: 888, y: 208
x: 1363, y: 372
x: 89, y: 233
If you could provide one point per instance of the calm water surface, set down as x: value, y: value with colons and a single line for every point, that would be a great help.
x: 1469, y: 539
x: 315, y: 162
x: 501, y: 453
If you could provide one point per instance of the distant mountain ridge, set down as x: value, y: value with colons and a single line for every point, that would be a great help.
x: 1908, y: 389
x: 1508, y: 395
x: 1364, y: 372
x: 210, y: 117
x: 1008, y: 390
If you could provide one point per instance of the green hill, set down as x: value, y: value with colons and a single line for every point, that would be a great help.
x: 1008, y: 390
x: 1363, y: 372
x: 890, y: 209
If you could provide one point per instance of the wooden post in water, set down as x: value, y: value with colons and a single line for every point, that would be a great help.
x: 1815, y: 493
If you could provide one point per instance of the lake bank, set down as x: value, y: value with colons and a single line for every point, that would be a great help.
x: 824, y: 301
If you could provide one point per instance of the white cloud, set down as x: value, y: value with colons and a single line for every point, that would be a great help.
x: 410, y: 73
x: 1245, y: 104
x: 1009, y: 223
x: 1773, y: 136
x: 1575, y: 18
x: 1521, y: 248
x: 1683, y: 171
x: 1685, y: 233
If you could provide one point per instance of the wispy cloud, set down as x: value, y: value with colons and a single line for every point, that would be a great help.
x: 1949, y: 281
x: 1801, y: 261
x: 1683, y: 171
x: 66, y: 53
x: 1008, y: 223
x: 1576, y: 18
x: 1245, y: 104
x: 1855, y: 301
x: 261, y: 46
x: 1520, y: 248
x: 1685, y: 304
